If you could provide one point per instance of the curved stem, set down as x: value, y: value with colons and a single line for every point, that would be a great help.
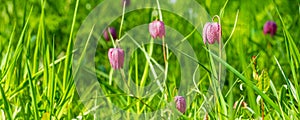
x: 220, y: 45
x: 164, y: 45
x: 111, y: 37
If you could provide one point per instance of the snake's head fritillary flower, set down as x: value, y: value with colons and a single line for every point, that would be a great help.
x: 211, y: 32
x: 180, y: 103
x: 112, y: 31
x: 116, y: 58
x: 270, y: 27
x: 157, y: 28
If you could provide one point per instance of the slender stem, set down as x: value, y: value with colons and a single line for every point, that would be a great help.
x: 222, y: 107
x: 220, y: 46
x: 111, y: 37
x: 124, y: 80
x: 164, y: 47
x: 148, y: 59
x: 164, y: 50
x: 129, y: 94
x: 166, y: 62
x: 123, y: 12
x: 159, y: 11
x: 262, y: 109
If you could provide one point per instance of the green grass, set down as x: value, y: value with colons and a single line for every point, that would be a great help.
x: 38, y: 45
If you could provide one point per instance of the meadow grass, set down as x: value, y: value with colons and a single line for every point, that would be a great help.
x: 37, y: 53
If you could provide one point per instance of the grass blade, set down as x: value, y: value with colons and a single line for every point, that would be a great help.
x: 248, y: 83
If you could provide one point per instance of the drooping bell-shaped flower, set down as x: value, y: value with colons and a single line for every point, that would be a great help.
x: 180, y: 103
x: 112, y: 31
x: 157, y: 28
x: 211, y: 32
x: 270, y: 27
x: 116, y: 58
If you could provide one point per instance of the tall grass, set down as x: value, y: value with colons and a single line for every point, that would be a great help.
x: 37, y: 48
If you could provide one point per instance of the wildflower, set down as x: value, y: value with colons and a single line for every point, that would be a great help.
x: 116, y: 57
x: 270, y: 27
x: 157, y: 28
x: 180, y: 103
x: 112, y: 31
x: 211, y: 32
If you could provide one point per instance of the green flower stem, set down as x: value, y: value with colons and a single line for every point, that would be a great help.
x: 166, y: 67
x: 123, y: 12
x: 145, y: 74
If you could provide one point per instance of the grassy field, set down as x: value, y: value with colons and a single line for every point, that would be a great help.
x: 55, y: 65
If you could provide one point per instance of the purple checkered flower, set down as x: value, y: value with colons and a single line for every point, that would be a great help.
x: 157, y: 28
x: 116, y: 58
x: 180, y: 103
x: 211, y: 32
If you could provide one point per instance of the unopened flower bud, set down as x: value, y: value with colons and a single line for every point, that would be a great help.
x: 157, y: 28
x: 116, y: 57
x: 112, y: 31
x: 270, y: 27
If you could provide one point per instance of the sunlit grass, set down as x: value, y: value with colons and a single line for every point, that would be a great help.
x: 37, y: 77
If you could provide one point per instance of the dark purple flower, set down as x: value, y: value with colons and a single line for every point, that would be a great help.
x: 211, y: 32
x: 112, y: 31
x: 157, y: 28
x: 180, y: 103
x: 116, y: 57
x: 270, y: 27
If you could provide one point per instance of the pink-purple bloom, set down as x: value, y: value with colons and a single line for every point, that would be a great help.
x: 116, y: 58
x: 211, y: 32
x: 180, y: 103
x: 157, y: 28
x: 270, y: 27
x: 112, y: 31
